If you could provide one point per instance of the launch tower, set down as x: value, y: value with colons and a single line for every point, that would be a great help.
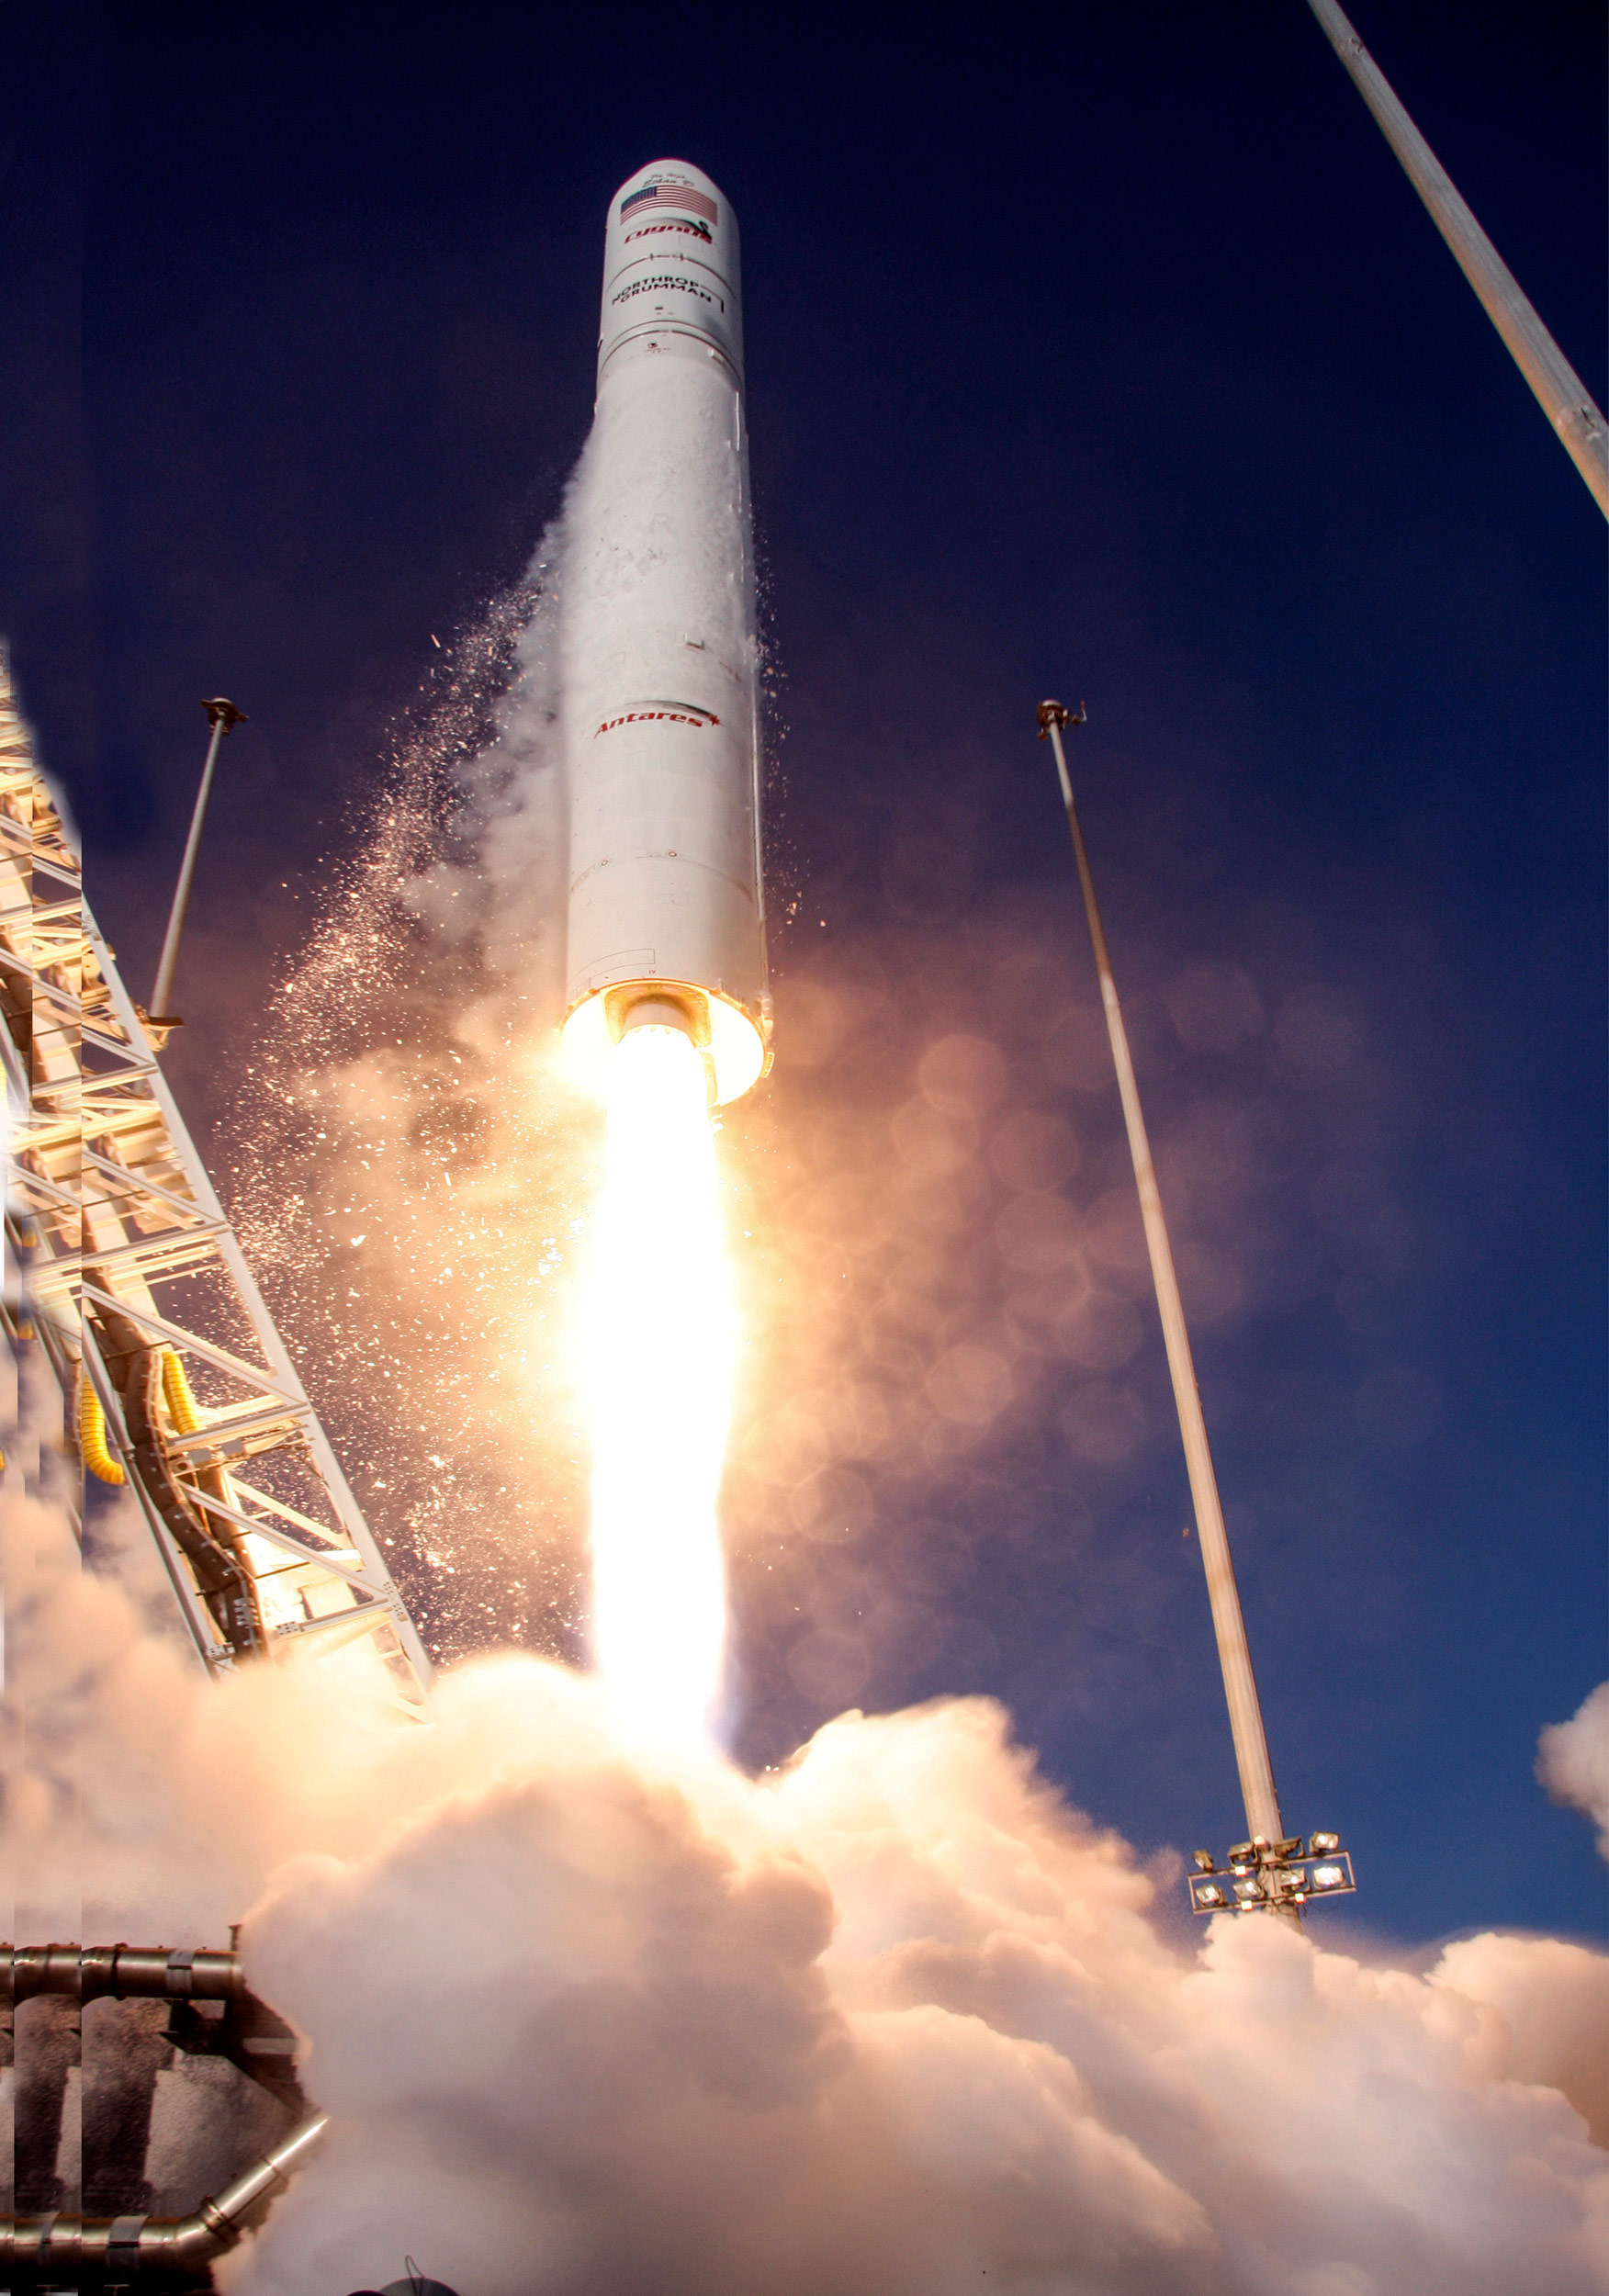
x: 144, y: 1353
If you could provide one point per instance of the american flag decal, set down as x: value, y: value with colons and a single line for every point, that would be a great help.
x: 678, y: 196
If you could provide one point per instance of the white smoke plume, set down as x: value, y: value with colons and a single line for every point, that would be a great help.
x: 894, y: 2018
x: 891, y: 2017
x: 1573, y: 1760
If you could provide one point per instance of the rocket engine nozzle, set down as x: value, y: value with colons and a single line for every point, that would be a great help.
x: 662, y: 1012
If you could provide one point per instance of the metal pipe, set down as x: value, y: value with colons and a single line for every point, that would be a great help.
x: 1565, y: 399
x: 223, y: 717
x: 67, y: 2251
x: 121, y: 1973
x: 1245, y: 1713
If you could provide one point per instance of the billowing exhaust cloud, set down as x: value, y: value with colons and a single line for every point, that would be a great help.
x: 892, y: 2017
x: 1574, y: 1761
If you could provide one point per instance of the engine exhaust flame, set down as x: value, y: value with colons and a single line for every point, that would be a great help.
x: 659, y: 1347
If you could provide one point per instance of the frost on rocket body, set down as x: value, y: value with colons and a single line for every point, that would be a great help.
x: 656, y: 522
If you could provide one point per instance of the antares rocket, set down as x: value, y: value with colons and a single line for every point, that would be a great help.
x: 667, y: 911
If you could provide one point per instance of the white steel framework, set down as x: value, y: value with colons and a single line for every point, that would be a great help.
x: 125, y: 1278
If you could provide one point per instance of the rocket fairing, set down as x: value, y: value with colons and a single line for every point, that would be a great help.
x: 667, y: 913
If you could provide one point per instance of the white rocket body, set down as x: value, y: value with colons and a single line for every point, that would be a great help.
x: 666, y: 905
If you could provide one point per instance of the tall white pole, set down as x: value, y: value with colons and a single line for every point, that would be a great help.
x: 1565, y: 399
x: 1245, y: 1713
x: 223, y: 717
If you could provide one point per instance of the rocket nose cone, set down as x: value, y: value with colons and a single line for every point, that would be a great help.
x: 674, y: 191
x: 673, y: 174
x: 672, y: 266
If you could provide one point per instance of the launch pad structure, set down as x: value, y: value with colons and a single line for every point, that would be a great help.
x: 145, y: 1356
x: 144, y: 1360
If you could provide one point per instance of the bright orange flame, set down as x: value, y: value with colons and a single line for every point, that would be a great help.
x: 659, y: 1339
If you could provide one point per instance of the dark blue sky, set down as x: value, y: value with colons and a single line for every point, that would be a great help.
x: 1108, y: 354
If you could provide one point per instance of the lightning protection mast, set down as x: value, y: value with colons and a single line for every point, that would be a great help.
x: 223, y: 717
x: 1268, y: 1871
x: 1563, y: 396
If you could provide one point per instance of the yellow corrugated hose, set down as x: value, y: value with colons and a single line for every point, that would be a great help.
x: 92, y: 1435
x: 175, y: 1388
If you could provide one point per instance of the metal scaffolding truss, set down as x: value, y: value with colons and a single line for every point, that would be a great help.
x: 127, y: 1287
